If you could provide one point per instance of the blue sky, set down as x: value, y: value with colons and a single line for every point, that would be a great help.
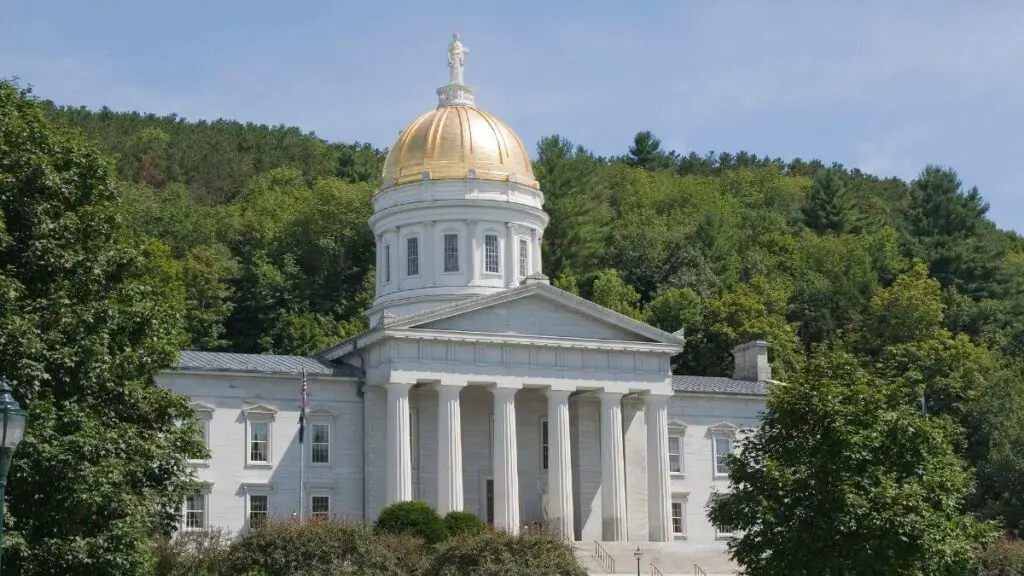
x: 885, y: 86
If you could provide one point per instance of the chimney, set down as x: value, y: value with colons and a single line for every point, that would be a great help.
x: 752, y: 362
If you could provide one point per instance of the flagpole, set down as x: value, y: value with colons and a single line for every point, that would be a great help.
x: 302, y: 450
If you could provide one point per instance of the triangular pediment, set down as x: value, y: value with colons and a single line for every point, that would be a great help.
x: 537, y: 310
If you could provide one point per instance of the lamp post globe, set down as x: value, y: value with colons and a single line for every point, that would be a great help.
x: 638, y: 555
x: 12, y: 430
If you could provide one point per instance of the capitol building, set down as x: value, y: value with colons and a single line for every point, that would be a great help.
x: 478, y: 386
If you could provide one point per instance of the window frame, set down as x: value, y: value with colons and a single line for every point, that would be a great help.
x: 322, y: 515
x: 252, y: 490
x: 313, y: 424
x: 682, y: 500
x: 259, y: 414
x: 677, y: 431
x: 722, y: 532
x: 204, y: 414
x: 204, y: 494
x: 524, y: 257
x: 445, y: 252
x: 492, y: 240
x: 412, y: 256
x: 723, y: 431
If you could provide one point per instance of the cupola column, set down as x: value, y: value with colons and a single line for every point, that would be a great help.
x: 428, y: 260
x: 473, y: 254
x: 535, y: 265
x: 510, y: 254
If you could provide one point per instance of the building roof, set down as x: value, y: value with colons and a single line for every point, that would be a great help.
x: 261, y: 364
x: 718, y: 385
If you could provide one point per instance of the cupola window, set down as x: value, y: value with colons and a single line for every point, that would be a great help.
x: 451, y: 252
x: 387, y: 263
x: 524, y: 257
x: 491, y: 260
x: 412, y: 256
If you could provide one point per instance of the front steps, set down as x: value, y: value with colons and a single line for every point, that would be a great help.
x: 672, y: 558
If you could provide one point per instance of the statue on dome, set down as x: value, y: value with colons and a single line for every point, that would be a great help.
x: 456, y: 56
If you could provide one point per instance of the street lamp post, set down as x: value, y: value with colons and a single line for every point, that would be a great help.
x: 638, y: 555
x: 12, y: 430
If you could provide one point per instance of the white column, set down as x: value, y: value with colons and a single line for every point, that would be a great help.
x: 449, y: 449
x: 399, y: 449
x: 535, y: 265
x: 511, y: 260
x: 659, y: 495
x: 560, y: 464
x: 473, y: 264
x: 399, y: 254
x: 506, y: 462
x: 613, y: 469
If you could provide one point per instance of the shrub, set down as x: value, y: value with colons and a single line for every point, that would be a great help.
x: 1005, y: 557
x: 459, y: 523
x: 327, y: 548
x: 411, y: 552
x: 193, y: 553
x: 412, y: 518
x: 499, y: 554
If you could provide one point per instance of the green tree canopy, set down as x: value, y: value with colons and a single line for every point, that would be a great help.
x: 89, y: 312
x: 844, y: 477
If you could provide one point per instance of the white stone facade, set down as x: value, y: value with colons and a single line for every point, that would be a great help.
x: 478, y: 386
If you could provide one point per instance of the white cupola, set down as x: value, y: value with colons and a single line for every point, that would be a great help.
x: 459, y: 213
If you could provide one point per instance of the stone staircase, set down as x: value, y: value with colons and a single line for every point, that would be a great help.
x: 666, y: 557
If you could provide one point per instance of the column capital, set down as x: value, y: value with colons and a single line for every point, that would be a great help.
x: 399, y: 386
x: 656, y: 400
x: 510, y: 225
x: 557, y: 394
x: 611, y: 396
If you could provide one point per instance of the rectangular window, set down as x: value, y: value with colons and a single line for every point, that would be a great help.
x: 678, y: 516
x: 524, y: 258
x: 543, y: 444
x: 320, y: 449
x: 320, y: 507
x: 195, y: 512
x: 387, y: 263
x: 451, y: 252
x: 259, y: 442
x: 491, y: 259
x: 675, y: 454
x: 259, y: 510
x: 723, y: 447
x: 412, y: 256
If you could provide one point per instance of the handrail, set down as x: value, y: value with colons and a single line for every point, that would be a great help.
x: 604, y: 558
x: 655, y: 571
x: 698, y: 571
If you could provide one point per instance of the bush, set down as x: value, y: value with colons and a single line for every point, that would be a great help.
x: 193, y: 554
x: 411, y: 552
x: 499, y: 554
x: 1004, y: 557
x: 327, y: 548
x: 412, y: 518
x: 458, y: 523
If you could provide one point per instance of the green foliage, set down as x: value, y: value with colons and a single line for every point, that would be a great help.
x: 89, y: 312
x: 609, y: 290
x: 312, y: 549
x: 828, y: 207
x: 502, y: 554
x: 844, y: 477
x: 202, y: 553
x: 460, y: 523
x: 413, y: 518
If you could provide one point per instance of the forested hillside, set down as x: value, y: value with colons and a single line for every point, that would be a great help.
x: 267, y: 227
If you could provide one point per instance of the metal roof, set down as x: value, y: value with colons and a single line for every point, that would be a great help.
x: 261, y: 364
x: 719, y: 385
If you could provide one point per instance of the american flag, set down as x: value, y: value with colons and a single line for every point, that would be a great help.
x: 305, y: 403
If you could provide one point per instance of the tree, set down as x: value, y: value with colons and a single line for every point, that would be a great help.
x: 646, y: 153
x: 89, y: 312
x: 828, y: 208
x: 611, y: 291
x: 844, y: 477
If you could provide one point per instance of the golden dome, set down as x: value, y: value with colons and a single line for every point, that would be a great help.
x: 450, y: 141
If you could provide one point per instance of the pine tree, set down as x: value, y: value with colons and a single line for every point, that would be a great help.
x: 828, y: 208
